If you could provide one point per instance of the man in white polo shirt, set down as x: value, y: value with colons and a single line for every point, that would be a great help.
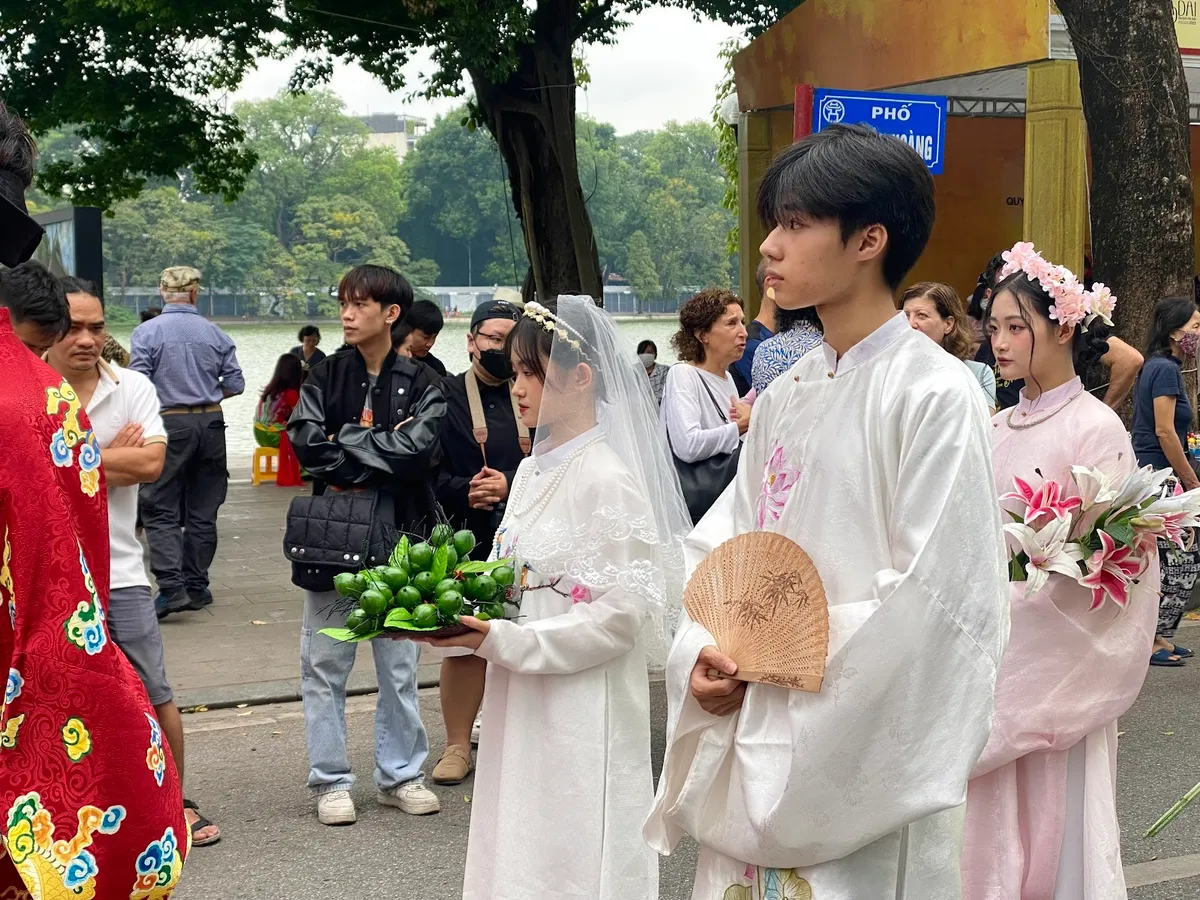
x: 123, y: 408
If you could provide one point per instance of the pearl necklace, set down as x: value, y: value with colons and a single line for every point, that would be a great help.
x: 1054, y: 412
x: 542, y: 498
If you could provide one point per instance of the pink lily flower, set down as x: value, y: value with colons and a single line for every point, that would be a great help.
x: 1171, y: 525
x: 1047, y: 500
x: 1111, y: 570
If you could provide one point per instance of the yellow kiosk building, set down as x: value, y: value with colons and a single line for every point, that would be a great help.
x: 1015, y: 155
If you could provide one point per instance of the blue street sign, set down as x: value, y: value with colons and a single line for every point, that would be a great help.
x: 917, y: 119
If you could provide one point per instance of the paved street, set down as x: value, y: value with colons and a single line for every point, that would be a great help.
x: 245, y: 647
x: 247, y: 765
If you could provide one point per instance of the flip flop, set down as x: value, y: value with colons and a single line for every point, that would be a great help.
x: 199, y: 825
x: 1163, y: 658
x: 1182, y: 652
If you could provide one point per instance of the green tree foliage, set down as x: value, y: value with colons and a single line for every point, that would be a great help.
x: 727, y: 145
x: 334, y: 234
x: 640, y: 270
x: 143, y: 83
x: 312, y: 161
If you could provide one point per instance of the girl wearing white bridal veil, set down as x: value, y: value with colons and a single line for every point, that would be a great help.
x: 595, y: 520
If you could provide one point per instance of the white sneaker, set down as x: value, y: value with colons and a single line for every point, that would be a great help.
x: 336, y: 808
x: 413, y: 798
x: 475, y: 729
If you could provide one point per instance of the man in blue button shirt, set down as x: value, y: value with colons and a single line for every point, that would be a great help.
x: 194, y: 366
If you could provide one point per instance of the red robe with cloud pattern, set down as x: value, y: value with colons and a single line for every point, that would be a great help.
x: 90, y: 802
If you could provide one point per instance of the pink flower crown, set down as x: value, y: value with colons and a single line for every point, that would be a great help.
x: 1072, y: 304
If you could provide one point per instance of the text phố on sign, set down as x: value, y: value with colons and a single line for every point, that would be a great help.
x: 916, y: 119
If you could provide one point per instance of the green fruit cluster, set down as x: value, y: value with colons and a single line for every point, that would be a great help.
x: 423, y: 587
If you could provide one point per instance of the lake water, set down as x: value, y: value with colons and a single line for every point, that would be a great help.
x: 260, y: 346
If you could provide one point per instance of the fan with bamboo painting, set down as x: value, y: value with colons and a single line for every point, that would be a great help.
x: 760, y: 596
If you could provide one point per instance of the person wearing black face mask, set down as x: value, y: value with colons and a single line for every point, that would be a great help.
x: 483, y: 441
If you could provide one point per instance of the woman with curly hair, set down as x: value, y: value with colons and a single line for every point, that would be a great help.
x: 700, y: 407
x: 936, y: 311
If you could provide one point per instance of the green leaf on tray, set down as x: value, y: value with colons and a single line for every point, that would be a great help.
x: 399, y: 552
x: 345, y: 635
x: 441, y: 561
x: 477, y: 568
x: 407, y: 625
x: 396, y: 617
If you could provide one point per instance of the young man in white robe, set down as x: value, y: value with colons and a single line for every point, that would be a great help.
x: 874, y: 456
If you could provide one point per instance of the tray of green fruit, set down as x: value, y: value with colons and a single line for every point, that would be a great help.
x: 424, y: 589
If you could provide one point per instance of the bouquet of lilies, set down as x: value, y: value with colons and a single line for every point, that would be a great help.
x: 1102, y: 538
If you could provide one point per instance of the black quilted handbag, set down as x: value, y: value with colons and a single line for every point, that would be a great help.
x: 338, y: 531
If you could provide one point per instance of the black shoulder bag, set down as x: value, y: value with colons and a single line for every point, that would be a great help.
x: 337, y: 531
x: 704, y: 480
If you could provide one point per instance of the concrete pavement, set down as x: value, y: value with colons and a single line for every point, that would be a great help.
x: 245, y: 647
x: 247, y: 768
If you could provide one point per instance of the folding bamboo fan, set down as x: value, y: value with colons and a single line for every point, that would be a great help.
x: 760, y: 596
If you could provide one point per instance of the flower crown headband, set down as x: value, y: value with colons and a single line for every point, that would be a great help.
x: 1072, y: 304
x: 551, y: 322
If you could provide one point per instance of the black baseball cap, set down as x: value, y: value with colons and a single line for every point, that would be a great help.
x: 494, y: 309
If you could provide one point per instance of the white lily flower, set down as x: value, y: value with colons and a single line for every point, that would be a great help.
x: 1048, y: 551
x: 1095, y: 487
x: 1139, y: 487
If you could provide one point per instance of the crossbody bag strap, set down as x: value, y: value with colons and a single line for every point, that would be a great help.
x: 724, y: 412
x: 522, y: 430
x: 479, y: 423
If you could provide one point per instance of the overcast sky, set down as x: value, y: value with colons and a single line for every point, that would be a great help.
x: 664, y: 66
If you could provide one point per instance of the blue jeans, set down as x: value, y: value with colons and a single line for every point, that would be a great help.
x: 401, y: 744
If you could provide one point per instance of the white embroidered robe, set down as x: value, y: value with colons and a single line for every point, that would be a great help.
x: 879, y: 466
x: 563, y: 780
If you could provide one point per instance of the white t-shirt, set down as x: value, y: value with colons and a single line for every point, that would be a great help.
x: 124, y: 396
x: 697, y: 427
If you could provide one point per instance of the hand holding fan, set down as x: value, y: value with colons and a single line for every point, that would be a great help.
x: 760, y: 596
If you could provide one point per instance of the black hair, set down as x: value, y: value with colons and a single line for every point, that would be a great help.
x: 150, y: 312
x: 1170, y: 314
x: 787, y: 319
x: 426, y: 316
x: 977, y: 304
x: 309, y: 331
x: 401, y: 329
x: 1086, y: 346
x: 385, y: 286
x: 73, y: 285
x: 289, y: 373
x: 33, y: 294
x: 643, y: 346
x: 855, y: 176
x: 18, y: 152
x: 531, y: 344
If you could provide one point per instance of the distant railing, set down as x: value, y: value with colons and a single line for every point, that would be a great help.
x: 223, y: 303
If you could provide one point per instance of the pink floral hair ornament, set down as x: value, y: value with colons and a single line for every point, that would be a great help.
x: 1072, y: 304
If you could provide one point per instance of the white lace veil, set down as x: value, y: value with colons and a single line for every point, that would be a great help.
x: 654, y: 517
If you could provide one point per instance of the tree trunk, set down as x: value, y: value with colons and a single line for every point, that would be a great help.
x: 1135, y: 101
x: 531, y: 115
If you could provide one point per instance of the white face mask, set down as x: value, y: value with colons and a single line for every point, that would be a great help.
x: 647, y: 359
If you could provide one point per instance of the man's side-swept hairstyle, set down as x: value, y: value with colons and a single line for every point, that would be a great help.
x: 384, y: 285
x: 855, y: 176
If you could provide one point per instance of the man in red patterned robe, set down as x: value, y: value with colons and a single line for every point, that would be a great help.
x: 90, y: 804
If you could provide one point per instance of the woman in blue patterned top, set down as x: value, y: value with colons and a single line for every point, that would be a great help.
x: 799, y: 331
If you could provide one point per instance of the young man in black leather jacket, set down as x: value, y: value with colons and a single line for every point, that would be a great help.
x: 367, y: 419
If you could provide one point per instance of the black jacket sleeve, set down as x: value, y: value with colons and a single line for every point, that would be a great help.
x: 406, y: 452
x: 307, y: 431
